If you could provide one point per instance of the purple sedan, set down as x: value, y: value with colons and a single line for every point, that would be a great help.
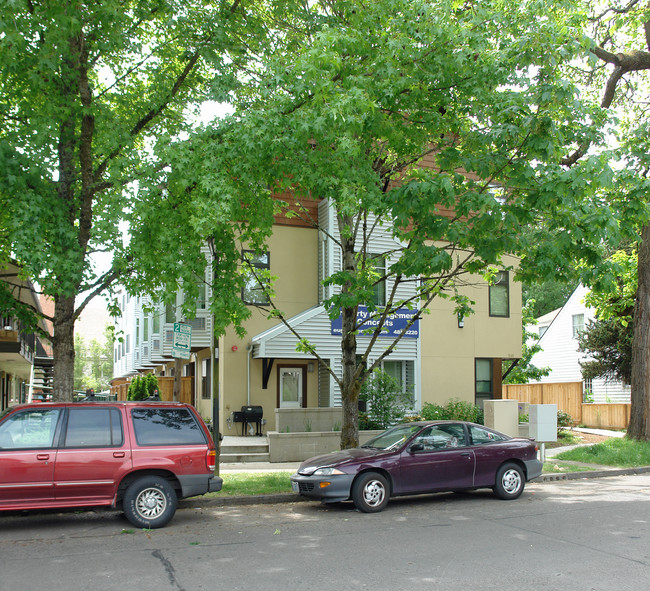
x: 420, y: 457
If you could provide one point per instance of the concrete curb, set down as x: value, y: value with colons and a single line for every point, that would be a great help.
x: 592, y: 474
x: 198, y: 502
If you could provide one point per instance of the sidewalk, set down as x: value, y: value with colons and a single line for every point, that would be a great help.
x: 259, y: 467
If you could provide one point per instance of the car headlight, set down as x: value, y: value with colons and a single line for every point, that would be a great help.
x: 327, y: 471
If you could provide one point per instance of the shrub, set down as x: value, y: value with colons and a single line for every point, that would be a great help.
x: 386, y: 403
x: 141, y: 387
x: 453, y: 410
x: 564, y: 420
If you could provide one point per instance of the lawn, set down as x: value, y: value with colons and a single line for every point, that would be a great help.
x: 622, y: 453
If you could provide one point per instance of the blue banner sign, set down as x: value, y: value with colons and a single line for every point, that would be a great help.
x: 393, y: 326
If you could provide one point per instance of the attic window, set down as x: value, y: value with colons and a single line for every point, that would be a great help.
x: 578, y: 324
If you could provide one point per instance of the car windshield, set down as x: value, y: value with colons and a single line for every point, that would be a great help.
x: 393, y: 437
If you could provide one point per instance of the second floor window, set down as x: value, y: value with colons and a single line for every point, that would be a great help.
x: 379, y: 289
x: 500, y: 295
x: 255, y: 268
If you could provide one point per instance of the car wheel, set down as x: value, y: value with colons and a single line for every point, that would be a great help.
x: 510, y: 481
x: 370, y: 492
x: 150, y: 502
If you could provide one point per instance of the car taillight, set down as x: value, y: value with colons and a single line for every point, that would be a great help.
x: 211, y: 459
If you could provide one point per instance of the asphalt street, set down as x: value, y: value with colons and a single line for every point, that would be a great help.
x: 571, y: 535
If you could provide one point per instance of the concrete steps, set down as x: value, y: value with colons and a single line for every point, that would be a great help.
x: 241, y: 450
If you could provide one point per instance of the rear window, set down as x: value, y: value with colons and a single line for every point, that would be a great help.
x: 166, y: 426
x: 94, y: 427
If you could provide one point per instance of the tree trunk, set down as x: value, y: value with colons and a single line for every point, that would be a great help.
x: 639, y: 427
x: 63, y: 349
x: 351, y: 387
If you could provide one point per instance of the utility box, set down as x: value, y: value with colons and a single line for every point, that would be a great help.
x: 503, y: 416
x: 542, y: 421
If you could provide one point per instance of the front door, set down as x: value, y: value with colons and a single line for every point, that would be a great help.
x: 291, y: 385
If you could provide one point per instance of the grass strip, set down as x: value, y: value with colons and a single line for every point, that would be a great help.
x: 551, y: 467
x: 238, y: 484
x: 619, y: 452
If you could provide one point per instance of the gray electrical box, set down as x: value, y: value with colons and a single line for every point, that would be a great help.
x: 542, y: 422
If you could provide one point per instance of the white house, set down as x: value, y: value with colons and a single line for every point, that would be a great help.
x: 558, y: 339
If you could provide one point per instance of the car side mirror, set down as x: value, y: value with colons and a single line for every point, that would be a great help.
x: 416, y: 447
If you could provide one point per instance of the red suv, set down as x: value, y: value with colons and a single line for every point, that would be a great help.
x: 141, y: 456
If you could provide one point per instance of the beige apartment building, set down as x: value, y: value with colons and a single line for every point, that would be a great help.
x: 444, y: 357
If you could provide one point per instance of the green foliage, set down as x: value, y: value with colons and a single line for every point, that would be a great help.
x: 608, y: 344
x: 546, y: 296
x: 142, y: 387
x: 386, y: 403
x: 88, y: 90
x: 347, y: 111
x: 453, y: 410
x: 93, y: 363
x: 608, y: 339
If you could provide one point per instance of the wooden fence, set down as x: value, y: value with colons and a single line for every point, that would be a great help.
x: 568, y: 397
x: 613, y: 416
x: 165, y: 389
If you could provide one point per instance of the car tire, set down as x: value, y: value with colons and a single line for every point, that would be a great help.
x: 510, y: 481
x: 370, y: 492
x: 150, y: 502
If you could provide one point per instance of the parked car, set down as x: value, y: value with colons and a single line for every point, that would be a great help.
x: 140, y: 456
x: 420, y: 457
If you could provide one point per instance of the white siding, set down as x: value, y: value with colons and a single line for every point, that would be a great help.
x: 560, y: 351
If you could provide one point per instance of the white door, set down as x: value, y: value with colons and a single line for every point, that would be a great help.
x: 290, y: 387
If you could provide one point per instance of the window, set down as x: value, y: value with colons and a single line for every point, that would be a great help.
x: 170, y: 313
x: 255, y: 270
x: 94, y: 427
x: 441, y: 436
x: 137, y: 332
x: 378, y: 262
x: 205, y: 379
x: 31, y: 429
x: 484, y: 382
x: 499, y: 296
x: 145, y: 329
x: 128, y: 343
x: 201, y: 299
x: 155, y: 329
x: 166, y: 426
x: 481, y: 436
x: 578, y: 324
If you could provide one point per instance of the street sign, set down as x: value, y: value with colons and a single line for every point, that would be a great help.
x: 182, y: 345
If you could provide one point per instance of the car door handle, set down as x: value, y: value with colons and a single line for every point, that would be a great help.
x: 43, y: 457
x: 118, y: 454
x: 466, y: 454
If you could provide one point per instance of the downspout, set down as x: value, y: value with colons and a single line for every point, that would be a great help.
x: 249, y: 349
